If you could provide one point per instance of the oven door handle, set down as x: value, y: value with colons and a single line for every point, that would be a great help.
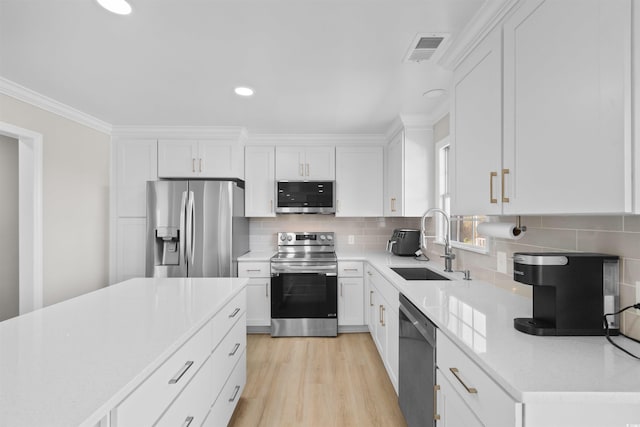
x: 304, y: 271
x: 329, y: 270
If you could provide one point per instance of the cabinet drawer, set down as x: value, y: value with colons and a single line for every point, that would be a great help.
x: 350, y: 269
x: 254, y: 269
x: 147, y: 402
x: 384, y: 288
x: 228, y: 316
x: 490, y: 403
x: 227, y: 354
x: 228, y: 398
x: 192, y: 406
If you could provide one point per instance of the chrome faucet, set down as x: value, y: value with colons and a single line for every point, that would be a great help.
x: 448, y: 256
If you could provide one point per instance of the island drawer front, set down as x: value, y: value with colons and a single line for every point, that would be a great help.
x: 224, y: 320
x: 147, y: 402
x: 350, y: 269
x: 254, y: 269
x: 227, y: 400
x: 227, y: 355
x: 192, y: 406
x: 490, y: 403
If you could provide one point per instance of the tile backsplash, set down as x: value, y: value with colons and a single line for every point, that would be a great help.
x: 617, y: 235
x: 369, y: 234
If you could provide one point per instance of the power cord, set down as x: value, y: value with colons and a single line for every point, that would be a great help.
x: 606, y: 328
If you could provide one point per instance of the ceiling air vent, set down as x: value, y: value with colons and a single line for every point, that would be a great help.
x: 425, y: 47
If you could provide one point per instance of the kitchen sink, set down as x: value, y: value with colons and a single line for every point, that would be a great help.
x: 418, y: 273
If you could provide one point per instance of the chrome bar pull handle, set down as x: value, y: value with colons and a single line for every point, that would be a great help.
x: 456, y: 373
x: 187, y: 421
x: 235, y: 393
x: 193, y: 165
x: 341, y: 285
x: 266, y: 290
x: 371, y: 298
x: 436, y: 417
x: 200, y: 164
x: 235, y: 312
x: 383, y: 321
x: 235, y: 349
x: 181, y: 372
x: 300, y: 169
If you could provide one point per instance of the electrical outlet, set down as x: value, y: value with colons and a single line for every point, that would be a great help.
x: 502, y: 262
x: 351, y: 239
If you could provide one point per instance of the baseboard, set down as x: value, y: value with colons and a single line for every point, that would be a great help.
x: 352, y: 329
x: 259, y: 329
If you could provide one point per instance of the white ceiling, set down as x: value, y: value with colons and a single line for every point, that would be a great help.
x: 317, y: 66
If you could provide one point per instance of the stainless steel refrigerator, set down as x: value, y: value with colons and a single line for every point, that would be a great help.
x: 195, y: 228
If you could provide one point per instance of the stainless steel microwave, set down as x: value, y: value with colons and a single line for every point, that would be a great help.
x: 317, y: 197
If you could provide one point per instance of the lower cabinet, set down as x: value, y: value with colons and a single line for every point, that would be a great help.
x: 467, y: 395
x: 382, y: 304
x: 350, y: 293
x: 258, y: 291
x: 183, y: 389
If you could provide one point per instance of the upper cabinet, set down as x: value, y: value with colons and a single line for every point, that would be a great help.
x: 200, y: 159
x: 409, y: 171
x: 135, y: 165
x: 305, y: 163
x: 259, y: 181
x: 547, y: 130
x: 359, y: 181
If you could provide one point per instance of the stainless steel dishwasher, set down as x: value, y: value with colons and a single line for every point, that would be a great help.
x: 417, y: 367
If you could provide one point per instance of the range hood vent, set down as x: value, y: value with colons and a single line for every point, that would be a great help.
x: 426, y: 47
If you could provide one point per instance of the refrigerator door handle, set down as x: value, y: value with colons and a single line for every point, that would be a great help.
x: 183, y: 208
x: 191, y: 247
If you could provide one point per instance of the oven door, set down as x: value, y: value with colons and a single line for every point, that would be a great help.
x: 304, y: 295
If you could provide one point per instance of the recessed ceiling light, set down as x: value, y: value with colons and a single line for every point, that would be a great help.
x: 434, y: 93
x: 120, y: 7
x: 244, y: 91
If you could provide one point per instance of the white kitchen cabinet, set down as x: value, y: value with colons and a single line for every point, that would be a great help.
x: 470, y: 391
x: 258, y: 291
x: 350, y: 293
x: 554, y: 136
x: 409, y: 183
x: 451, y: 411
x: 131, y: 238
x: 259, y: 190
x: 136, y: 163
x: 383, y: 319
x: 369, y: 300
x: 476, y: 123
x: 305, y: 163
x: 359, y: 181
x: 200, y: 159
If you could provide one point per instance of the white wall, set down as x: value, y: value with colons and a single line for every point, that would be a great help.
x: 9, y: 272
x: 75, y: 200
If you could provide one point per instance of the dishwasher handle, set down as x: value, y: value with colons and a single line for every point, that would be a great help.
x: 421, y: 322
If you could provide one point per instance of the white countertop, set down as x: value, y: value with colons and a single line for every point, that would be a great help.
x: 256, y: 256
x: 69, y: 363
x: 478, y: 317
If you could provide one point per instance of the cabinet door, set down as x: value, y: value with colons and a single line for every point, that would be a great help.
x: 392, y: 325
x: 451, y: 408
x: 290, y: 163
x: 476, y: 123
x: 177, y: 159
x: 137, y: 163
x: 320, y: 163
x: 567, y: 135
x: 370, y: 306
x: 394, y: 176
x: 359, y: 181
x: 219, y: 159
x: 350, y: 301
x: 131, y: 245
x: 259, y: 302
x: 259, y: 182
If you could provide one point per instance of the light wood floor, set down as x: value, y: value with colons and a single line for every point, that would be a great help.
x: 312, y: 382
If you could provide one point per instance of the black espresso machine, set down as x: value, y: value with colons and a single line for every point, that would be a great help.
x: 571, y: 292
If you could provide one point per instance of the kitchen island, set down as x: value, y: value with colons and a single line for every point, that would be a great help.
x: 77, y: 362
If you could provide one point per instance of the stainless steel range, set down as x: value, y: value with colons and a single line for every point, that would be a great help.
x: 304, y: 286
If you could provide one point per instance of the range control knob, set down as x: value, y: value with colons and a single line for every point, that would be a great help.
x: 289, y: 237
x: 329, y: 237
x: 322, y: 237
x: 283, y: 237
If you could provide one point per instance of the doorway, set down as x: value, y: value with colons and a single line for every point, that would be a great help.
x: 9, y: 271
x: 29, y: 205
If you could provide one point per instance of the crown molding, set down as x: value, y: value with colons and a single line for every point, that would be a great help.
x: 316, y: 139
x: 414, y: 121
x: 180, y: 132
x: 486, y: 18
x: 14, y: 90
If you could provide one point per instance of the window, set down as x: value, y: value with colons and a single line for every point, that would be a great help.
x: 464, y: 229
